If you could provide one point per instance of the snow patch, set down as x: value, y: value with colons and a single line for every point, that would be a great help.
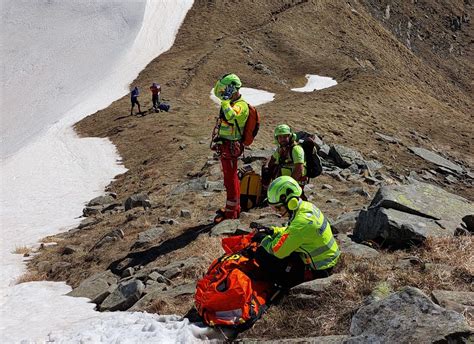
x: 253, y: 96
x: 316, y: 82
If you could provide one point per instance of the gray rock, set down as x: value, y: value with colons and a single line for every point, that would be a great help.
x: 347, y: 246
x: 324, y: 150
x: 436, y: 159
x: 333, y: 201
x: 229, y: 227
x: 345, y: 222
x: 257, y: 154
x: 335, y: 339
x: 70, y: 249
x: 112, y: 236
x: 44, y: 266
x: 387, y: 138
x: 148, y: 236
x: 451, y: 179
x: 88, y: 222
x: 459, y: 301
x: 358, y: 190
x: 137, y: 200
x: 144, y: 302
x: 326, y: 186
x: 344, y: 156
x: 124, y: 296
x: 185, y: 213
x: 214, y: 186
x: 95, y: 287
x: 128, y: 272
x: 58, y: 266
x: 314, y: 287
x: 400, y: 214
x: 102, y: 200
x: 92, y: 210
x: 407, y: 316
x: 373, y: 165
x: 176, y: 267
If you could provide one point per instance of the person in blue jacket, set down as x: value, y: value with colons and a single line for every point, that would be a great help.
x: 134, y: 100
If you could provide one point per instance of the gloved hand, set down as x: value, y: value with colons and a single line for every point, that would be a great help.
x: 258, y: 236
x: 228, y: 92
x: 261, y: 228
x: 225, y: 103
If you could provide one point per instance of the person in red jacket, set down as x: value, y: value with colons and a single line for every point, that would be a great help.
x: 155, y: 95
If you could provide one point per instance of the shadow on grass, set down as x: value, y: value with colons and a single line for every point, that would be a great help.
x: 144, y: 257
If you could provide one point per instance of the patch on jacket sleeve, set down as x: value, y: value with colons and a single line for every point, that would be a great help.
x: 280, y: 242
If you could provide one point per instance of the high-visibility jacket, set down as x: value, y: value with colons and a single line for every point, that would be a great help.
x: 233, y: 114
x: 308, y: 233
x: 287, y: 164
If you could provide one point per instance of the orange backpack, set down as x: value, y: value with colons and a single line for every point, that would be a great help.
x: 251, y: 126
x: 226, y: 295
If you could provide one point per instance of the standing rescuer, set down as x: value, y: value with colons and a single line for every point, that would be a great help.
x: 303, y: 250
x: 227, y: 138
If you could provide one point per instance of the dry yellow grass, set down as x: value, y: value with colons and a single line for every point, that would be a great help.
x: 22, y: 250
x: 30, y: 277
x: 331, y: 312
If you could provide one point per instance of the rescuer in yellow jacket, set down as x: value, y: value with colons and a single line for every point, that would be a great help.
x: 303, y: 250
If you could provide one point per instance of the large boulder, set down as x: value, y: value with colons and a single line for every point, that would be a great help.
x: 407, y: 316
x: 137, y: 200
x: 411, y: 213
x: 124, y: 296
x: 459, y: 301
x: 148, y: 236
x: 97, y: 287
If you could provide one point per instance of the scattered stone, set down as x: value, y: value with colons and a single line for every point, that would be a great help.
x: 185, y: 213
x: 410, y: 213
x: 182, y: 146
x: 229, y: 227
x: 345, y: 222
x: 92, y: 210
x: 333, y: 201
x: 371, y: 181
x: 95, y: 287
x: 173, y: 269
x: 436, y: 159
x: 314, y: 287
x: 171, y: 293
x: 116, y: 234
x: 405, y: 317
x: 358, y: 190
x: 148, y: 236
x: 387, y: 138
x: 124, y: 296
x: 327, y: 186
x: 348, y: 246
x: 335, y: 175
x: 257, y: 154
x: 137, y: 200
x: 102, y: 200
x: 344, y: 156
x: 324, y: 150
x: 128, y: 272
x: 166, y: 221
x: 44, y: 266
x: 88, y: 222
x: 58, y: 266
x: 70, y: 249
x: 459, y: 301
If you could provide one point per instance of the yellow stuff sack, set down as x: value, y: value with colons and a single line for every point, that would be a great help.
x: 250, y: 190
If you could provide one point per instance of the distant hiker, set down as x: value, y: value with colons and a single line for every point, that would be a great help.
x: 303, y: 250
x: 287, y: 160
x: 155, y: 95
x: 226, y: 141
x: 134, y: 100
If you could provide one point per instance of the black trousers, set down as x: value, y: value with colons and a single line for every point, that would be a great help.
x: 287, y: 272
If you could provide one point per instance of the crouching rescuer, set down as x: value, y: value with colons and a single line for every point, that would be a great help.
x: 226, y: 141
x: 303, y: 250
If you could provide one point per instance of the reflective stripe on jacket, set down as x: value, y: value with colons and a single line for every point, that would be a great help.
x: 309, y: 234
x: 237, y: 112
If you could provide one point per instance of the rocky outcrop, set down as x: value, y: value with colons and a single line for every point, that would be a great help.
x: 407, y: 316
x: 229, y: 227
x: 410, y: 213
x: 97, y: 287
